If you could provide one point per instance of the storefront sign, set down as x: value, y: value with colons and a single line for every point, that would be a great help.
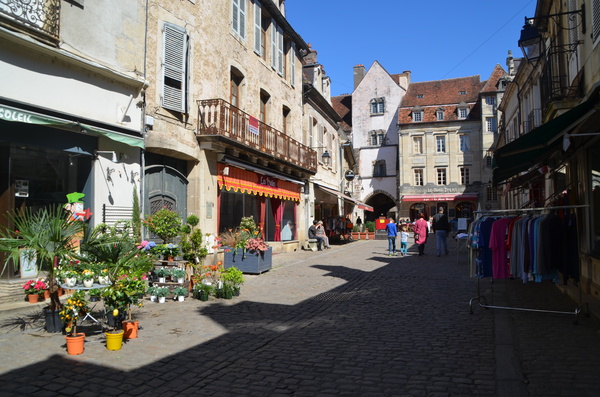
x: 444, y: 190
x: 12, y: 115
x: 266, y: 181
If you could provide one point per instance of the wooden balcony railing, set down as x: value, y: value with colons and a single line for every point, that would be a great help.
x: 41, y: 16
x: 219, y: 118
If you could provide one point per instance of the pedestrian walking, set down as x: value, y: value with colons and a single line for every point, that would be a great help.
x: 392, y: 233
x: 441, y: 227
x: 421, y: 233
x: 403, y: 240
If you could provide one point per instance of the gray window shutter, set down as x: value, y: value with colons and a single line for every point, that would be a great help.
x: 174, y: 68
x: 280, y: 57
x: 293, y: 65
x: 274, y: 45
x: 257, y: 29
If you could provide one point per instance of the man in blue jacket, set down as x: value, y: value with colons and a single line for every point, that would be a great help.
x: 392, y: 232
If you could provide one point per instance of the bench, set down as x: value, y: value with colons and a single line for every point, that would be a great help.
x: 311, y: 244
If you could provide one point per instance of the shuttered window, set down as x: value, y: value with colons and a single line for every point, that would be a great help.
x: 174, y: 68
x: 273, y: 45
x: 258, y: 37
x: 293, y: 65
x: 238, y: 18
x: 280, y: 57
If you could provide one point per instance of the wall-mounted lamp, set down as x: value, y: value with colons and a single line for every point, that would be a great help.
x: 113, y: 154
x: 326, y: 157
x: 531, y: 41
x: 225, y: 171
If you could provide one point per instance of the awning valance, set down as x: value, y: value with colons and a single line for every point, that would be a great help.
x: 243, y: 181
x: 335, y: 193
x: 440, y: 197
x: 537, y: 145
x: 365, y: 207
x: 9, y: 113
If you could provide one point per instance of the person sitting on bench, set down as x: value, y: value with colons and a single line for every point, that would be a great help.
x: 312, y: 234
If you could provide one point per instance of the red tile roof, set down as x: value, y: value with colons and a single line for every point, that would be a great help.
x: 342, y: 104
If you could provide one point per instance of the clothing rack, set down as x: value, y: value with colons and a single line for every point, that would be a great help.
x: 482, y: 299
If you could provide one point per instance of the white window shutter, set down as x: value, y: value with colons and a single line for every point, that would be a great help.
x: 293, y: 65
x: 280, y: 56
x: 274, y: 45
x: 242, y: 31
x: 257, y: 29
x: 174, y: 68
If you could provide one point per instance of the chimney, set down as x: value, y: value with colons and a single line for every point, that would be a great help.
x: 510, y: 63
x: 359, y: 74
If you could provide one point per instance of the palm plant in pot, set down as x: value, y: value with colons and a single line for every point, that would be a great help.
x: 74, y: 308
x: 47, y: 236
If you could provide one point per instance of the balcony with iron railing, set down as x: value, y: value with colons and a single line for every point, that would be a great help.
x: 219, y: 118
x: 534, y: 119
x: 41, y: 17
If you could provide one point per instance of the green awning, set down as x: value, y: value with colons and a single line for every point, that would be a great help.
x: 9, y: 113
x: 537, y: 145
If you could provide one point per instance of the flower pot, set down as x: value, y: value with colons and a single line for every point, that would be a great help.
x: 75, y: 343
x: 114, y: 340
x: 53, y: 322
x: 203, y: 295
x: 181, y: 280
x: 181, y: 298
x: 71, y: 281
x: 88, y: 283
x: 33, y: 298
x: 249, y: 262
x: 130, y: 329
x: 162, y: 299
x: 152, y: 298
x: 162, y: 279
x: 46, y: 294
x: 112, y: 321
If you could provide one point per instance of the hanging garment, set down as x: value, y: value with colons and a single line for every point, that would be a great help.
x: 498, y: 246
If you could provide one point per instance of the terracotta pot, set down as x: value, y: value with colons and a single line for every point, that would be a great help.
x: 33, y: 298
x: 75, y: 343
x: 46, y: 294
x: 130, y: 329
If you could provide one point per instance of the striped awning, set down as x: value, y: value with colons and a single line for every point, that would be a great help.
x: 249, y: 182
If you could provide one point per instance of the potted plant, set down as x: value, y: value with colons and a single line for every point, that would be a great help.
x: 203, y: 291
x: 152, y: 292
x: 74, y: 308
x: 161, y: 294
x: 165, y: 224
x: 95, y: 294
x: 88, y: 278
x: 178, y: 275
x: 34, y: 289
x: 251, y: 254
x: 234, y: 277
x: 370, y: 227
x: 192, y: 242
x: 48, y: 236
x: 180, y: 293
x: 162, y: 273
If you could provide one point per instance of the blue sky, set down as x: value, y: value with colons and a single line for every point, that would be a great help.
x: 434, y: 39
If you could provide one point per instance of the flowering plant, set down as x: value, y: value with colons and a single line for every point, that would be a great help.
x: 87, y: 274
x: 256, y: 245
x: 146, y: 245
x: 75, y: 307
x: 164, y: 223
x: 32, y: 287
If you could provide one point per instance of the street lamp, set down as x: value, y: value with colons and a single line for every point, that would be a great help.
x: 531, y: 40
x: 326, y: 157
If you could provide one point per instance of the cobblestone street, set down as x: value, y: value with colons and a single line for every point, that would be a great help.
x: 346, y: 321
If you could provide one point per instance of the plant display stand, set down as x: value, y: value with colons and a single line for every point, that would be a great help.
x: 249, y: 262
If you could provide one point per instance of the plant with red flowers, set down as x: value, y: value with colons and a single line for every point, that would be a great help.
x: 32, y: 287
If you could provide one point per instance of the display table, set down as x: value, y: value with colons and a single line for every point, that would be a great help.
x: 81, y: 287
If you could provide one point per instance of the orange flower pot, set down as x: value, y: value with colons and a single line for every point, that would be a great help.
x: 130, y: 329
x: 75, y: 343
x: 33, y: 298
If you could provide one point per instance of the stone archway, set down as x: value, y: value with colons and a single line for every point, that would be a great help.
x: 382, y: 202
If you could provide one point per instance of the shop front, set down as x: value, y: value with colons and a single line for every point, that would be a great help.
x: 459, y: 205
x: 271, y: 201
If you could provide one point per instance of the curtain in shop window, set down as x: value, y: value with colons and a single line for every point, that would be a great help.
x: 262, y: 203
x: 277, y: 207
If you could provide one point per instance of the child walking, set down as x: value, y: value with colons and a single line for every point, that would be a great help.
x: 403, y: 241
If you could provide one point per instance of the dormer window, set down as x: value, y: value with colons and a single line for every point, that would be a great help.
x: 377, y: 106
x: 463, y: 110
x: 417, y: 114
x: 439, y: 114
x: 462, y: 92
x: 419, y: 96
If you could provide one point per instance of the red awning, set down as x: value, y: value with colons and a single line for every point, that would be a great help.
x: 440, y: 197
x: 365, y: 207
